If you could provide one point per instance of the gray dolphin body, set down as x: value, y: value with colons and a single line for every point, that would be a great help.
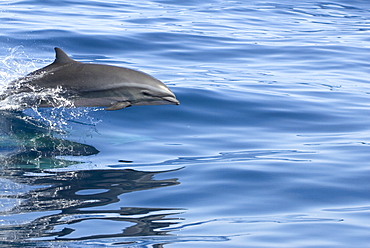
x: 91, y: 85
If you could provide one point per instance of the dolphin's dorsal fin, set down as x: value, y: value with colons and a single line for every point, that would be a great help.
x: 61, y: 57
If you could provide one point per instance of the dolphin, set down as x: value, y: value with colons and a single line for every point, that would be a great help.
x: 88, y: 85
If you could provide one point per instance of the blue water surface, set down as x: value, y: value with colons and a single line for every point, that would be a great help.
x: 270, y: 146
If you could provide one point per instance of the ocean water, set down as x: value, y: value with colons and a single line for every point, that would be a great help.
x: 270, y: 146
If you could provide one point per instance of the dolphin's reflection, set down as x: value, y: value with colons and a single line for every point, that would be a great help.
x: 27, y: 142
x: 54, y: 205
x: 67, y: 198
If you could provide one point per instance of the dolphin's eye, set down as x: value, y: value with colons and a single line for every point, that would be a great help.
x: 146, y: 93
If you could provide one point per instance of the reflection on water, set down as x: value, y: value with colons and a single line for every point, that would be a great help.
x: 68, y: 199
x: 38, y: 205
x: 27, y: 142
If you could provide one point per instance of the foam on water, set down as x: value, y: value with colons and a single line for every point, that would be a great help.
x: 16, y: 65
x: 11, y: 68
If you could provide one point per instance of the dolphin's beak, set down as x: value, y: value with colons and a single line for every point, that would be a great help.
x: 171, y: 100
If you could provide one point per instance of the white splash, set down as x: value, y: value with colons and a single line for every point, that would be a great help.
x: 18, y: 64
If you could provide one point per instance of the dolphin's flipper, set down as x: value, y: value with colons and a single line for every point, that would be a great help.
x: 119, y: 105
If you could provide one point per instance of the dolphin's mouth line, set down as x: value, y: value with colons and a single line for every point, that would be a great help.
x: 165, y: 100
x: 171, y: 99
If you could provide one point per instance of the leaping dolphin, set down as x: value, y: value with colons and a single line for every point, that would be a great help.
x: 89, y: 85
